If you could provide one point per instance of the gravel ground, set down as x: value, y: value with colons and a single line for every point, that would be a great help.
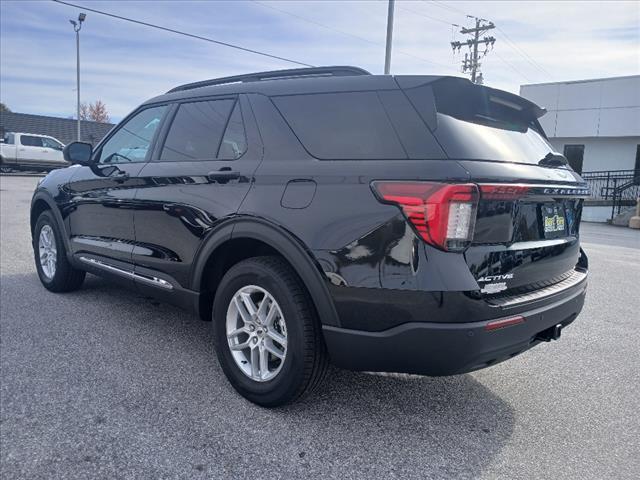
x: 103, y: 383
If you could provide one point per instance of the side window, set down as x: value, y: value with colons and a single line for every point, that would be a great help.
x: 30, y: 141
x: 341, y: 126
x: 234, y: 142
x: 131, y: 141
x: 9, y: 139
x: 51, y: 143
x: 196, y: 131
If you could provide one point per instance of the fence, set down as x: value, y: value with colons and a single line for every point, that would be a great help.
x: 620, y: 187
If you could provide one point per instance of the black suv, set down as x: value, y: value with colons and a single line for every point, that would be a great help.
x: 418, y: 224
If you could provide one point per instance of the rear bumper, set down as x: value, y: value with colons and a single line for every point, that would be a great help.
x: 448, y: 348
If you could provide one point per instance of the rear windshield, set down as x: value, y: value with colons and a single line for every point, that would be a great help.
x: 472, y: 122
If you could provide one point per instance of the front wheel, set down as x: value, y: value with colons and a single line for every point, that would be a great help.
x: 54, y: 269
x: 266, y: 333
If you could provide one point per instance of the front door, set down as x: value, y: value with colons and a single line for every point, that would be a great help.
x: 200, y: 172
x: 100, y: 211
x: 52, y: 153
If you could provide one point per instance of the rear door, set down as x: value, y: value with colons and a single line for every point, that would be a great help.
x: 527, y: 227
x: 31, y: 150
x: 200, y: 172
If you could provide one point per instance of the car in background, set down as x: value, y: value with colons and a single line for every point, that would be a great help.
x: 30, y: 151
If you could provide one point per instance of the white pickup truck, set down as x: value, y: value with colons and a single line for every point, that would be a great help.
x: 29, y: 151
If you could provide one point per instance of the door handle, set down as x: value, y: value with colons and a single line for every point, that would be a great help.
x: 120, y: 177
x: 223, y: 175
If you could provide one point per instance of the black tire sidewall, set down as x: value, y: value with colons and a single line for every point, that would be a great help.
x: 285, y: 385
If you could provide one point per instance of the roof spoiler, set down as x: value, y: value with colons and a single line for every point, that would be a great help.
x: 501, y: 97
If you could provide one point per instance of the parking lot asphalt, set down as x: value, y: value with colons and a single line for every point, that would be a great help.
x: 104, y: 383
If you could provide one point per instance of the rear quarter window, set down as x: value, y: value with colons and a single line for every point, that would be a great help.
x: 341, y: 126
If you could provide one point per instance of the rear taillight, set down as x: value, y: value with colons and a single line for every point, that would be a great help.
x: 442, y: 214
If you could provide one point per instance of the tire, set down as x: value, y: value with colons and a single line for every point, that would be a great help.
x: 63, y: 277
x: 305, y: 359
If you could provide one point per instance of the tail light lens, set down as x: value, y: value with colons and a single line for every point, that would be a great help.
x: 442, y: 214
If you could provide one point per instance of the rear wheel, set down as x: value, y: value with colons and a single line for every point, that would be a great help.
x: 266, y: 333
x: 54, y: 269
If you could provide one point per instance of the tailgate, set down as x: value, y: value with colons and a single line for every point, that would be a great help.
x: 526, y: 235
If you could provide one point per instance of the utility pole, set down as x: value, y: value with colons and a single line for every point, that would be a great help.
x: 471, y: 62
x: 387, y: 57
x: 76, y: 28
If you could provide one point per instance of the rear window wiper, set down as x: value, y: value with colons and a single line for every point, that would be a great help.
x: 553, y: 160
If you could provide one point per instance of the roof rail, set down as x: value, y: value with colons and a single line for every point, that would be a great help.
x: 339, y: 71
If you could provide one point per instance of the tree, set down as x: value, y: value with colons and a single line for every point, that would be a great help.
x: 96, y: 112
x: 4, y: 108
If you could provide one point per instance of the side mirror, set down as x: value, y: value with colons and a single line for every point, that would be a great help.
x: 78, y: 153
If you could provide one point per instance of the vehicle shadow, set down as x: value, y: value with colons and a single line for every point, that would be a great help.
x: 141, y: 377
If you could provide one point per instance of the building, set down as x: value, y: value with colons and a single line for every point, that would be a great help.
x: 596, y: 125
x: 64, y: 129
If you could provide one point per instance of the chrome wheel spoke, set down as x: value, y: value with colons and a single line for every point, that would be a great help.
x: 248, y: 303
x: 240, y: 346
x: 246, y: 317
x: 237, y: 332
x: 255, y: 363
x: 264, y: 361
x: 269, y: 347
x: 281, y: 339
x: 262, y: 309
x: 271, y: 316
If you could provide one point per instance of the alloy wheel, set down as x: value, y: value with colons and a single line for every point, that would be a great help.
x: 256, y: 333
x: 48, y: 252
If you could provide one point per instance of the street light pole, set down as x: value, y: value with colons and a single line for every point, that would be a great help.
x: 76, y: 27
x: 387, y: 57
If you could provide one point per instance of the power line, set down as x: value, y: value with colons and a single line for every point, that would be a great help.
x: 186, y: 34
x: 322, y: 25
x: 513, y: 45
x: 428, y: 16
x: 436, y: 3
x: 513, y: 68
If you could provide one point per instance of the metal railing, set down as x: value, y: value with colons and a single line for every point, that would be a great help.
x: 620, y: 187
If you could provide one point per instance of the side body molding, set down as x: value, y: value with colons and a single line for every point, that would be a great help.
x: 286, y: 244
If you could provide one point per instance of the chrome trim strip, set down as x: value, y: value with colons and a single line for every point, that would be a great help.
x: 509, y: 301
x: 541, y: 243
x: 155, y: 281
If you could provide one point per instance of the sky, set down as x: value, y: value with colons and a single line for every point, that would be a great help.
x: 123, y: 64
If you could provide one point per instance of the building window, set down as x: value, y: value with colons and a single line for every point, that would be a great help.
x: 575, y: 155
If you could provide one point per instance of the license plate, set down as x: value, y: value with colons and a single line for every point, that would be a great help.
x: 553, y: 221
